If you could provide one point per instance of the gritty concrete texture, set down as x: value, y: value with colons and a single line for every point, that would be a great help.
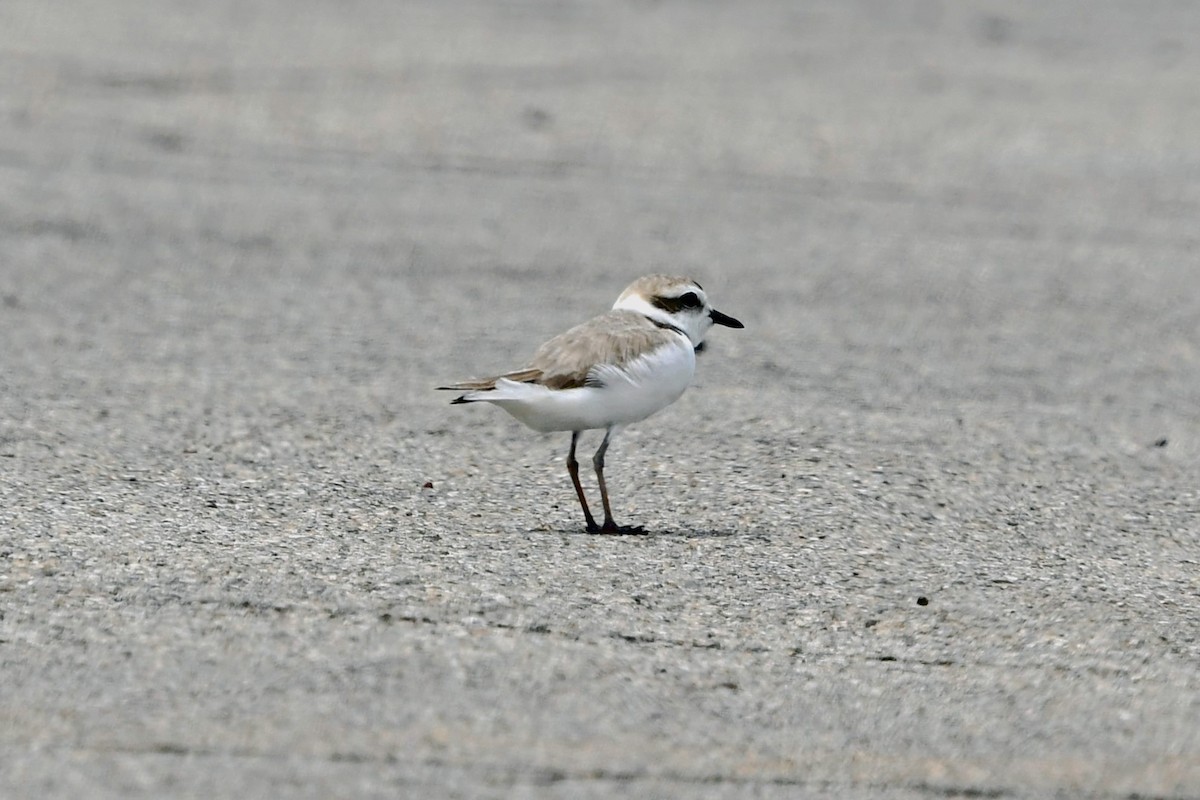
x: 929, y: 527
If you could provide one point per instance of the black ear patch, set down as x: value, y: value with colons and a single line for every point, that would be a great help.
x: 674, y: 304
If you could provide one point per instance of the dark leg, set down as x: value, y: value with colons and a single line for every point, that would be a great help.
x: 610, y: 525
x: 573, y: 468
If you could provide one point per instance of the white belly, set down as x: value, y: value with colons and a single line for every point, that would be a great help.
x: 626, y: 394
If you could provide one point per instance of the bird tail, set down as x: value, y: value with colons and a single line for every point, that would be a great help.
x: 477, y: 390
x: 471, y: 387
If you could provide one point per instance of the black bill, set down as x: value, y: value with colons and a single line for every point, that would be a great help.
x: 724, y: 319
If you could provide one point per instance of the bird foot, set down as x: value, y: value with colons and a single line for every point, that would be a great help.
x: 610, y: 527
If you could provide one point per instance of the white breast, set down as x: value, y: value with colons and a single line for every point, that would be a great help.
x: 647, y: 384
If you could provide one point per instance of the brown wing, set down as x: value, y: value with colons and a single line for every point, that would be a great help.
x: 565, y: 361
x: 615, y: 338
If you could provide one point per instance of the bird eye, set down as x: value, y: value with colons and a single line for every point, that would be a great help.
x: 689, y: 300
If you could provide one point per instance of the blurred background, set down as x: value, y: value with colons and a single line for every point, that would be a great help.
x: 244, y: 543
x: 975, y: 197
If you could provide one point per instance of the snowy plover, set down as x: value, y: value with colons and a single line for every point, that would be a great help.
x: 614, y: 369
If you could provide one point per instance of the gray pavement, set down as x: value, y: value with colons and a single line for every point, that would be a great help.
x: 929, y: 527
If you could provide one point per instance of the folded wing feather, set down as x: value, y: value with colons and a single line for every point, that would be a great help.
x: 567, y: 360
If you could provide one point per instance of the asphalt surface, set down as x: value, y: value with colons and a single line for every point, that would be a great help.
x: 928, y: 527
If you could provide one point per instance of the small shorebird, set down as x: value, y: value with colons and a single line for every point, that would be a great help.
x: 614, y: 369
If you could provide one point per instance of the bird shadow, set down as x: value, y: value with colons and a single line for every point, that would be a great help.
x: 648, y: 533
x: 700, y: 533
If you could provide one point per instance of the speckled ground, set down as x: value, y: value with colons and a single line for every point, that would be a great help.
x: 928, y: 527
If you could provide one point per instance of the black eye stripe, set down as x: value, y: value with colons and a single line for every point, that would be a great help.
x: 674, y: 304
